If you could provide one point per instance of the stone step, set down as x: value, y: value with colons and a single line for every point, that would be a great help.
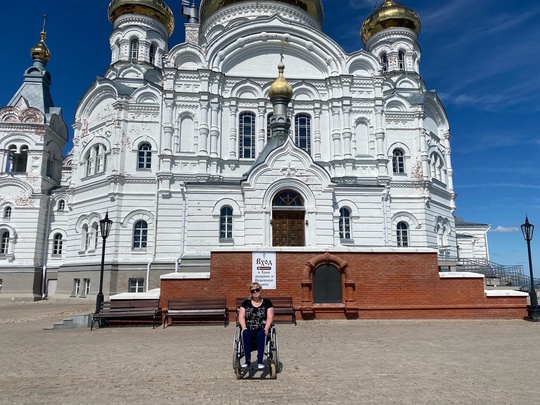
x: 77, y: 321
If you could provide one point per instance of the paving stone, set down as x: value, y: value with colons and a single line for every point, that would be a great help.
x: 324, y: 362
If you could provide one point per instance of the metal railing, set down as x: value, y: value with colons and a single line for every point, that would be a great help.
x: 498, y: 274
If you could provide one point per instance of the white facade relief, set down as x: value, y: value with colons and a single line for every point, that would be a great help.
x: 186, y: 150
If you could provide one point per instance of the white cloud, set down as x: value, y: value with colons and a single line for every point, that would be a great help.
x: 503, y: 229
x: 500, y: 185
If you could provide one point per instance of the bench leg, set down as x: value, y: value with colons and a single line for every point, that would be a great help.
x: 100, y: 322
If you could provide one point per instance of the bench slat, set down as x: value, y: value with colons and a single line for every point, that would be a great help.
x: 128, y: 310
x: 282, y: 306
x: 195, y: 309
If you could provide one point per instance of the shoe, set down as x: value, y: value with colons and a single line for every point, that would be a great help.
x: 245, y: 365
x: 260, y: 366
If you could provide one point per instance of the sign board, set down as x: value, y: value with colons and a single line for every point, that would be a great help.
x: 264, y: 269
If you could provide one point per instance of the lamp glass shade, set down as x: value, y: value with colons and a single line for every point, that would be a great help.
x: 527, y: 229
x: 105, y: 226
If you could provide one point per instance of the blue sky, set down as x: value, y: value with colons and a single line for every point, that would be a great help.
x: 481, y: 56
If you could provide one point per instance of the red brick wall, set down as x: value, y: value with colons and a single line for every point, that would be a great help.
x: 381, y: 285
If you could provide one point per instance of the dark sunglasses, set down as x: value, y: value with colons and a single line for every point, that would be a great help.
x: 255, y: 290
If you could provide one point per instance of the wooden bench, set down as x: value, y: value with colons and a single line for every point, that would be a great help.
x: 196, y: 310
x: 282, y: 306
x: 134, y: 310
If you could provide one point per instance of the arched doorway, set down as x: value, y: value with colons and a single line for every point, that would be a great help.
x: 288, y: 214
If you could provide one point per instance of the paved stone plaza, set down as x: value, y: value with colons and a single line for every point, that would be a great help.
x: 324, y: 362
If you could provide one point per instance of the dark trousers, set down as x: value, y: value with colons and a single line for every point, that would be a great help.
x: 248, y: 336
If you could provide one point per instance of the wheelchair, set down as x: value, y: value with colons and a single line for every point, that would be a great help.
x: 271, y: 353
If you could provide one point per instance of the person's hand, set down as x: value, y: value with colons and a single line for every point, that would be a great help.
x: 266, y: 332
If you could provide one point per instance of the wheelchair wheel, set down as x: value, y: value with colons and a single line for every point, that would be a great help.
x: 275, y: 350
x: 237, y: 353
x: 273, y: 371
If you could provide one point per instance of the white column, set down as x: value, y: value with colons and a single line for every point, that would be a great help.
x: 214, y: 131
x: 261, y: 139
x: 317, y: 133
x: 233, y: 134
x: 336, y: 135
x: 203, y: 128
x: 168, y: 127
x: 347, y: 133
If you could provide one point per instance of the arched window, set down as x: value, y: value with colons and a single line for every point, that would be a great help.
x: 17, y: 159
x: 152, y: 53
x: 401, y: 61
x: 288, y: 198
x: 96, y: 160
x: 85, y: 237
x: 84, y: 232
x: 7, y: 212
x: 344, y: 223
x: 437, y: 167
x: 57, y: 244
x: 100, y: 162
x: 134, y: 50
x: 302, y: 132
x: 247, y: 135
x: 398, y: 162
x: 225, y: 223
x: 268, y: 127
x: 384, y: 62
x: 140, y: 234
x: 402, y: 231
x: 10, y: 158
x: 95, y: 235
x: 61, y: 205
x: 4, y: 243
x: 145, y: 156
x: 327, y: 285
x: 90, y: 164
x: 49, y: 171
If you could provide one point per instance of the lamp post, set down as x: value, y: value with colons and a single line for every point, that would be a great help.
x: 534, y: 313
x: 105, y: 229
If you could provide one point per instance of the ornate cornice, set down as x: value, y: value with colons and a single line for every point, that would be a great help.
x: 242, y: 11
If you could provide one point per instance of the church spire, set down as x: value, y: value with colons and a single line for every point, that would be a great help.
x: 41, y: 52
x: 280, y: 94
x: 37, y: 80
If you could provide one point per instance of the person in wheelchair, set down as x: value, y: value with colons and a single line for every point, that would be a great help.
x: 255, y: 318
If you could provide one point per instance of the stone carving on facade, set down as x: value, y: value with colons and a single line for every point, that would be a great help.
x: 84, y: 128
x: 417, y: 173
x: 24, y: 202
x: 18, y: 114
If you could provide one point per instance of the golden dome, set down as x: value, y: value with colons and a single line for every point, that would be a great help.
x: 152, y: 8
x: 280, y: 87
x: 387, y: 15
x: 40, y: 51
x: 313, y: 7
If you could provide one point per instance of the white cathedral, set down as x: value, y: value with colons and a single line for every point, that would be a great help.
x: 259, y: 132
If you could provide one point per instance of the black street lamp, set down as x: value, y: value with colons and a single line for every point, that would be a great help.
x: 534, y: 312
x: 105, y: 229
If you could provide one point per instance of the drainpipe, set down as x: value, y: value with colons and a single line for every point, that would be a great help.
x: 385, y: 197
x: 156, y: 207
x: 46, y: 247
x: 183, y: 236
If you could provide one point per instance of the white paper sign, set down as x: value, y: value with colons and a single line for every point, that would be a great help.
x: 264, y: 269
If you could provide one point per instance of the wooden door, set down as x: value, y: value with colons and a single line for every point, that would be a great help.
x: 288, y: 228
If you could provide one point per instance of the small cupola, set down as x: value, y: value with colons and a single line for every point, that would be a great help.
x: 41, y: 51
x: 390, y: 14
